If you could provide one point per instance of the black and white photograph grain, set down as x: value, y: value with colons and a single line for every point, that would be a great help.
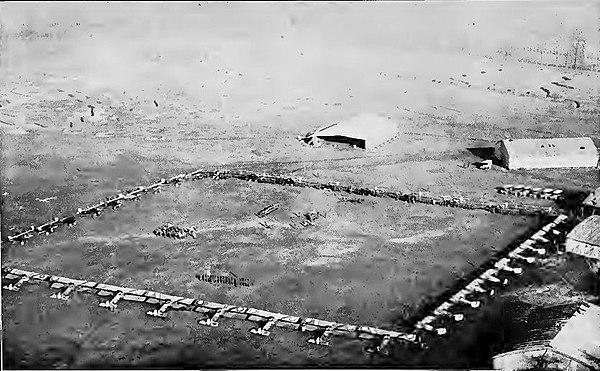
x: 300, y: 185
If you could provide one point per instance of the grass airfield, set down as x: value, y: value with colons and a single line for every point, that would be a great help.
x: 192, y: 85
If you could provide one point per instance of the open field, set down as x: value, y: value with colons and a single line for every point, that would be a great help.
x: 99, y: 98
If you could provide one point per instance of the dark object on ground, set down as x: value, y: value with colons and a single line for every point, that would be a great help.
x: 232, y: 280
x: 155, y: 103
x: 81, y: 118
x: 69, y: 220
x: 545, y: 91
x: 267, y: 210
x: 265, y: 225
x: 561, y: 85
x: 485, y: 153
x: 484, y: 165
x: 311, y: 216
x: 360, y: 143
x: 352, y: 200
x: 171, y: 231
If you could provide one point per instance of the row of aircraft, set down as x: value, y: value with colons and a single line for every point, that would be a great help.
x: 488, y: 281
x: 529, y: 191
x: 45, y: 228
x: 321, y: 330
x: 97, y: 209
x: 115, y: 202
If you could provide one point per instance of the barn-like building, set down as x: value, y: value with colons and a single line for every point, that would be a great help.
x: 547, y: 153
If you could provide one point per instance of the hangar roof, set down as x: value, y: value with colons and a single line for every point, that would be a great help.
x: 551, y: 147
x: 588, y: 231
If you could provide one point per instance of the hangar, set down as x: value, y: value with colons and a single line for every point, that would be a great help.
x: 547, y: 153
x: 365, y: 131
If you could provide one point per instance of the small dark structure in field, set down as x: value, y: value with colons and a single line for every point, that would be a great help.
x: 547, y: 153
x: 171, y: 231
x: 584, y: 240
x: 547, y: 91
x: 563, y: 337
x: 562, y: 85
x: 267, y: 210
x: 232, y: 279
x: 364, y: 131
x: 308, y: 219
x: 351, y: 200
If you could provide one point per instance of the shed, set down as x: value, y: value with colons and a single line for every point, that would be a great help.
x: 363, y: 131
x: 584, y: 239
x: 542, y: 153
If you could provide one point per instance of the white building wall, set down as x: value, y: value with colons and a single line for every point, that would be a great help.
x: 581, y: 248
x: 518, y: 162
